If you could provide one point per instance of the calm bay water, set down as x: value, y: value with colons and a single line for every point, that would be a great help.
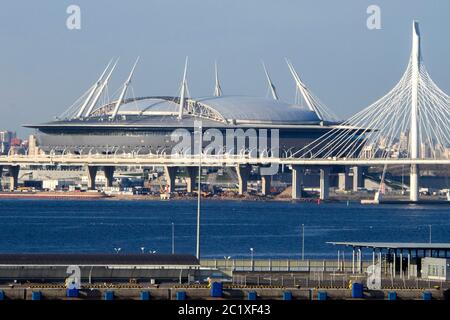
x: 229, y: 228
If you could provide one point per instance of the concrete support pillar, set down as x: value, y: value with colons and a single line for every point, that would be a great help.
x: 243, y: 173
x: 344, y: 182
x: 324, y: 183
x: 297, y: 182
x: 265, y: 185
x: 13, y: 177
x: 170, y: 173
x: 192, y: 173
x: 109, y: 175
x: 414, y: 183
x: 358, y: 179
x: 91, y: 175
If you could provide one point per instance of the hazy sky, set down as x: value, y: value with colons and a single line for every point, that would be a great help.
x: 45, y: 67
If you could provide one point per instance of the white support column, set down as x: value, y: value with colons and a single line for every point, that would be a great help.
x: 401, y: 263
x: 1, y: 176
x: 353, y: 260
x: 359, y: 260
x: 414, y: 183
x: 324, y: 183
x: 414, y: 126
x: 394, y: 264
x: 373, y: 257
x: 409, y: 264
x: 297, y: 181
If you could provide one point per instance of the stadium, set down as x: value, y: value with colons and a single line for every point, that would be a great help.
x: 145, y: 124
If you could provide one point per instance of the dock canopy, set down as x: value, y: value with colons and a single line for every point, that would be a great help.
x: 395, y: 245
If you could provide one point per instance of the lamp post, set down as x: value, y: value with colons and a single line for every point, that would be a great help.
x: 429, y: 226
x: 303, y: 241
x: 226, y: 258
x: 117, y: 250
x: 251, y: 258
x: 143, y: 249
x: 199, y: 190
x: 173, y: 238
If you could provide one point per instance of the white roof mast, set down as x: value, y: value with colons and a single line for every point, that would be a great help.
x: 183, y: 91
x: 94, y: 88
x: 273, y: 90
x: 124, y: 91
x: 100, y: 90
x: 304, y: 91
x: 217, y: 88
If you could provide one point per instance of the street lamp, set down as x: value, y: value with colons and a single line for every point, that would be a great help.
x: 251, y: 260
x: 143, y: 249
x: 226, y: 260
x: 303, y: 241
x: 117, y: 250
x: 152, y: 251
x: 430, y: 231
x: 173, y: 238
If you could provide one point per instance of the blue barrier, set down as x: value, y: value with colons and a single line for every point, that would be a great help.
x: 72, y: 293
x: 357, y: 290
x: 287, y: 295
x: 392, y: 295
x: 427, y: 295
x: 145, y: 295
x: 181, y: 295
x: 216, y: 289
x: 322, y: 295
x: 36, y: 295
x: 109, y: 295
x: 251, y: 295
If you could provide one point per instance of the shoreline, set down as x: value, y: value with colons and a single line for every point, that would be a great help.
x: 250, y: 198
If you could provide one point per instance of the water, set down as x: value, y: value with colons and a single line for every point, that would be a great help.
x: 229, y: 228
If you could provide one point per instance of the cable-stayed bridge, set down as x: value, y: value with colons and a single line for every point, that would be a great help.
x: 410, y: 125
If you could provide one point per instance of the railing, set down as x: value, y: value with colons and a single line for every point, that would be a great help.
x: 282, y: 265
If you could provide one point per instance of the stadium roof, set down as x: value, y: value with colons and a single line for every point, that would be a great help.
x: 222, y: 111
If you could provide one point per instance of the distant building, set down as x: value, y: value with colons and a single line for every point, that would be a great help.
x: 403, y: 141
x: 6, y: 140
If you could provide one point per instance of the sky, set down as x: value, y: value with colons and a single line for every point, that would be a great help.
x: 45, y: 67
